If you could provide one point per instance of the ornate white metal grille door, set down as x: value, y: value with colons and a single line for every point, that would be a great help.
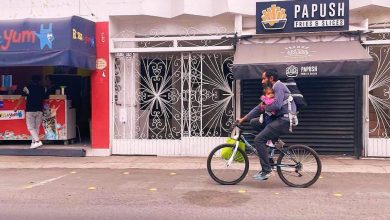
x: 172, y: 104
x: 379, y: 98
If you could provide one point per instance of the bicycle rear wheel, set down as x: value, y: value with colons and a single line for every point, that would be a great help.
x: 219, y: 169
x: 299, y: 167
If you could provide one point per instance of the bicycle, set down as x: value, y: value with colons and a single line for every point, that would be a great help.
x: 290, y: 163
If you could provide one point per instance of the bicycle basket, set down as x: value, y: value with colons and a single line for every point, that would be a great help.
x: 226, y: 152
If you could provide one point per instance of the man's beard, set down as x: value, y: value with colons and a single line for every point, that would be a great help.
x: 267, y: 84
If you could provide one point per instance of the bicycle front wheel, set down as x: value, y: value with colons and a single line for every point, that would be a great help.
x: 299, y: 167
x: 223, y: 172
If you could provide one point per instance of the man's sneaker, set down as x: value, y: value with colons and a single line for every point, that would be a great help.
x: 262, y: 175
x: 36, y: 145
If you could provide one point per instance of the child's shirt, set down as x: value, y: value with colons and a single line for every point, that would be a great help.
x: 268, y: 101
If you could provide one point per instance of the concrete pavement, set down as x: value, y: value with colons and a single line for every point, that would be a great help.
x: 329, y: 163
x: 67, y: 194
x: 149, y: 187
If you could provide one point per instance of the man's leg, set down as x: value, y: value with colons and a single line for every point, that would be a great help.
x: 271, y: 131
x: 38, y: 122
x: 30, y: 121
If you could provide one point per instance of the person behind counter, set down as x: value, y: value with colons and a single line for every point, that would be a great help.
x: 35, y: 94
x: 51, y: 88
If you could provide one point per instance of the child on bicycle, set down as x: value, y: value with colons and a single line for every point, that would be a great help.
x: 267, y: 99
x: 267, y: 117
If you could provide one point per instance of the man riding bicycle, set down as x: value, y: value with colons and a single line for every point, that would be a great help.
x: 280, y: 125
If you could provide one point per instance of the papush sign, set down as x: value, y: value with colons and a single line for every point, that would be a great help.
x: 302, y: 16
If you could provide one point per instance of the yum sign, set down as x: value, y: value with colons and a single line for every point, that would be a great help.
x: 12, y: 39
x: 12, y: 36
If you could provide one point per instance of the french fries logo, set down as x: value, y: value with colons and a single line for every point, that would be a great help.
x: 274, y: 18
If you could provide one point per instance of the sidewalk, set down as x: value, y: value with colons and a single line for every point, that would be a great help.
x: 329, y: 163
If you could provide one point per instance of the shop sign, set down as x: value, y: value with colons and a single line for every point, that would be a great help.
x: 298, y: 52
x: 307, y: 70
x: 302, y: 16
x: 11, y: 37
x: 46, y: 34
x: 12, y: 115
x: 101, y: 64
x: 83, y: 37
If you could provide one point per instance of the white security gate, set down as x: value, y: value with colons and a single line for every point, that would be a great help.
x: 378, y: 96
x: 172, y: 103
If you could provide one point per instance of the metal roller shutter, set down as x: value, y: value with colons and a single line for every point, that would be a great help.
x: 331, y: 121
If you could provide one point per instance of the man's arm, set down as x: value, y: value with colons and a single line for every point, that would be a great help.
x: 279, y: 100
x: 27, y: 92
x: 252, y: 114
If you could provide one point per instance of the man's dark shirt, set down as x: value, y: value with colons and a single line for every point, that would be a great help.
x: 52, y: 90
x: 35, y: 98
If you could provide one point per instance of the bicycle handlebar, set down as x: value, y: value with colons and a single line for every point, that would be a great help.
x: 234, y: 125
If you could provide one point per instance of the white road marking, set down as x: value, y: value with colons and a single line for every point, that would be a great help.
x: 44, y: 182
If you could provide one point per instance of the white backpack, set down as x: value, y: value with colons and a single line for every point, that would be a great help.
x: 293, y: 117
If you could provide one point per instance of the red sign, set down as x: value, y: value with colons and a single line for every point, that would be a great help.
x: 53, y: 124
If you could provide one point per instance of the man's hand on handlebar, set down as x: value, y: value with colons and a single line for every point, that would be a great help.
x: 241, y: 120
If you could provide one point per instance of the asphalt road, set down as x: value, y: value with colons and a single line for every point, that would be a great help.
x: 186, y: 194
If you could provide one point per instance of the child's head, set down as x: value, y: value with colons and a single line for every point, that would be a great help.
x: 268, y: 92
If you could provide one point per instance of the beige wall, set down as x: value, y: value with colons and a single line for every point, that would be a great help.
x: 100, y: 10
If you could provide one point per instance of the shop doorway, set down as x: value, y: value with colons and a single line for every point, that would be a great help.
x: 172, y: 104
x: 330, y: 122
x: 77, y: 83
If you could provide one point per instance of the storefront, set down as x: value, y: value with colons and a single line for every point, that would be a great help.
x: 171, y: 91
x: 328, y: 64
x: 63, y: 52
x: 163, y: 80
x: 330, y: 80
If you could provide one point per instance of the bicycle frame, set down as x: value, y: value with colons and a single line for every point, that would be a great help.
x: 290, y: 162
x: 240, y: 137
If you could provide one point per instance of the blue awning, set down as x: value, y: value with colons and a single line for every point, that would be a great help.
x: 48, y: 42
